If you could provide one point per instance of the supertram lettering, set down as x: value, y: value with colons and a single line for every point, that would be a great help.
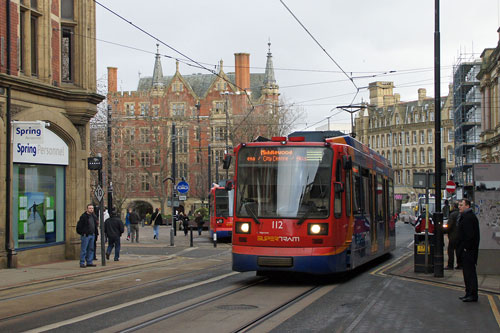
x: 277, y: 239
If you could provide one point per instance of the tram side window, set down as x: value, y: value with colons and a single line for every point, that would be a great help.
x: 348, y: 192
x: 380, y: 206
x: 338, y: 195
x: 357, y: 194
x: 367, y: 192
x: 391, y: 198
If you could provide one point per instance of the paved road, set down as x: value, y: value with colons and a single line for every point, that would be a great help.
x: 379, y: 297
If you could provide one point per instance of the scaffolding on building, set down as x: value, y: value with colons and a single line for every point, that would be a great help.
x: 466, y: 117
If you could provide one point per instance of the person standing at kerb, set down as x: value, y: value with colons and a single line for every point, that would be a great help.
x: 468, y: 235
x: 452, y: 232
x: 156, y: 221
x: 87, y: 228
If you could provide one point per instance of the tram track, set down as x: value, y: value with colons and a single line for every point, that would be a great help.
x: 248, y: 304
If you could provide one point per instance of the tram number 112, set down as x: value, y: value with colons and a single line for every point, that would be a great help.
x: 277, y: 224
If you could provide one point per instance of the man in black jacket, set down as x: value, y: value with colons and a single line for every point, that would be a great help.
x: 86, y: 228
x: 468, y: 235
x: 113, y: 228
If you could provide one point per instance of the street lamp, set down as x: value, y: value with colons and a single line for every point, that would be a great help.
x: 110, y: 180
x: 351, y: 109
x: 173, y: 229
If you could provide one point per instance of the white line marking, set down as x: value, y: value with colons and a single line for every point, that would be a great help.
x: 124, y: 305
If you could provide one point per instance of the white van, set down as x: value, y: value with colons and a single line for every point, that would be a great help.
x: 408, y: 211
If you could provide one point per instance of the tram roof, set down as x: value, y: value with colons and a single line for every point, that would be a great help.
x: 316, y: 136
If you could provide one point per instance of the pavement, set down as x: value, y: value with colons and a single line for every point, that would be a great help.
x: 149, y: 250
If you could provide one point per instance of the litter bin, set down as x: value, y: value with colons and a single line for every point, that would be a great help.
x: 419, y: 258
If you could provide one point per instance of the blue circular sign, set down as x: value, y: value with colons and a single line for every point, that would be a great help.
x: 182, y: 187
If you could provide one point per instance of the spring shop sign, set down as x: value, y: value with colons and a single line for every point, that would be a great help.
x: 33, y: 143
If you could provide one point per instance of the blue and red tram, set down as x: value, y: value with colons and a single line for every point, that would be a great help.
x: 308, y: 205
x: 221, y: 212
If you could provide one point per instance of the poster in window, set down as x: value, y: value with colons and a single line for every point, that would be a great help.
x: 35, y: 219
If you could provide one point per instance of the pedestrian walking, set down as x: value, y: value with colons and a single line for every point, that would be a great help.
x: 199, y: 222
x: 185, y: 223
x: 134, y: 225
x: 127, y: 222
x: 113, y: 228
x: 156, y: 221
x: 87, y: 228
x: 452, y: 232
x: 468, y: 235
x: 446, y: 209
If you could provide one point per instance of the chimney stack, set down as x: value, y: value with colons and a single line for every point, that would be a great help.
x: 112, y: 79
x: 421, y: 94
x: 242, y: 71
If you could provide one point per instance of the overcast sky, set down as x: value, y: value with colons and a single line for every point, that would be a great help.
x: 364, y: 37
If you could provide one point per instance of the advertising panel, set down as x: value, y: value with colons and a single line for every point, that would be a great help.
x: 487, y: 203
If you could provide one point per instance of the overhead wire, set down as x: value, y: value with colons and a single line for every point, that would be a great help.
x: 175, y: 50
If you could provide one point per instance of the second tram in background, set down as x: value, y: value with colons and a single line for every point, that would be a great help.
x: 311, y: 203
x: 221, y: 212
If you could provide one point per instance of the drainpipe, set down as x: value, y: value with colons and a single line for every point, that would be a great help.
x: 8, y: 222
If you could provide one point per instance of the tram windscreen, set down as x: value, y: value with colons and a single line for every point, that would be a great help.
x: 287, y: 182
x: 221, y: 203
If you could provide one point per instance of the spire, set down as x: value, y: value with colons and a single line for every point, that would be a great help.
x: 157, y: 72
x: 269, y: 79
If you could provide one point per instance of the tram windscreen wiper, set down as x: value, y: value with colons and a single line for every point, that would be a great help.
x: 250, y: 210
x: 304, y: 216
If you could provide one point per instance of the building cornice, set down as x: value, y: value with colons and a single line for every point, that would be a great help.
x: 41, y: 89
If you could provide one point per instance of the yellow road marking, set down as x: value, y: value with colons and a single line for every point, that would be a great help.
x: 390, y: 265
x: 494, y: 308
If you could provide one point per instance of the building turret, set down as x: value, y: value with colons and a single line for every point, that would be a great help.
x: 157, y: 72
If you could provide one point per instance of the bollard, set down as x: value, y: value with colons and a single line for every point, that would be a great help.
x: 215, y: 239
x: 191, y: 236
x: 171, y: 236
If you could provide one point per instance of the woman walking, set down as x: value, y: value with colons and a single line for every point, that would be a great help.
x: 156, y: 221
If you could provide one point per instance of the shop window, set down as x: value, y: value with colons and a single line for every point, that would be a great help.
x: 38, y: 204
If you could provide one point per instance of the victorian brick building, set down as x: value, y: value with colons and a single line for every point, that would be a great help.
x: 47, y: 97
x: 211, y: 114
x: 403, y: 132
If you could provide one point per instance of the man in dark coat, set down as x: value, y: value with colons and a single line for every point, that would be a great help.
x: 134, y: 225
x: 468, y: 235
x: 199, y: 222
x: 87, y: 227
x: 452, y: 231
x: 113, y: 228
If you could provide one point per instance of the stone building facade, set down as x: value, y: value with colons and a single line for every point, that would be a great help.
x: 47, y: 90
x: 212, y: 113
x: 403, y: 132
x: 489, y: 77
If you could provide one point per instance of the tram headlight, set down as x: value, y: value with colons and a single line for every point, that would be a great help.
x: 242, y: 227
x: 317, y: 229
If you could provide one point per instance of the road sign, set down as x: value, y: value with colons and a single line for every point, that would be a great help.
x: 182, y: 187
x: 451, y: 186
x: 99, y: 193
x: 182, y: 197
x: 94, y: 163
